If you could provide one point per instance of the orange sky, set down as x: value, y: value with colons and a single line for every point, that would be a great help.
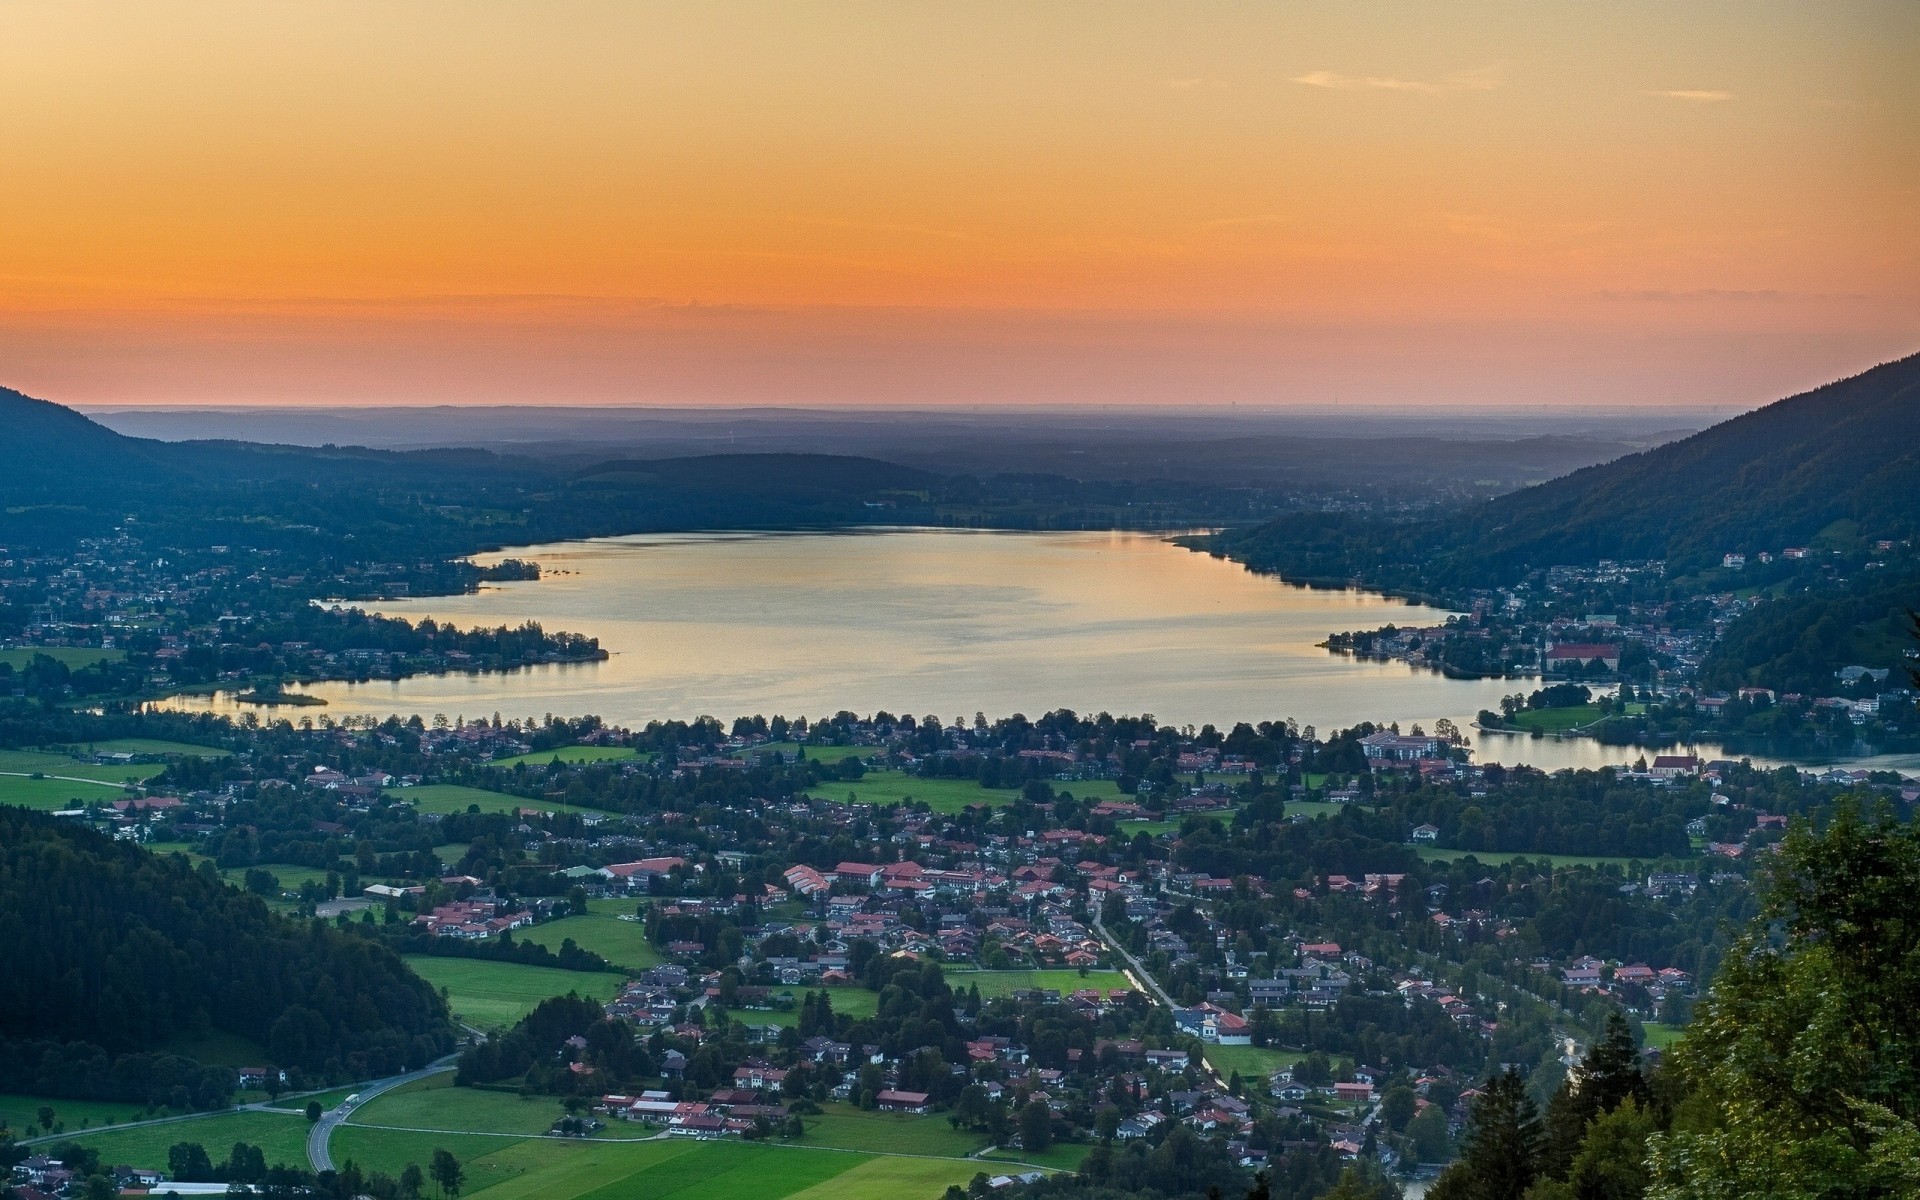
x: 910, y: 203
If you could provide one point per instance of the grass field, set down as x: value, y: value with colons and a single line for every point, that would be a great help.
x: 282, y: 1136
x: 1557, y: 720
x: 1315, y: 808
x: 17, y: 1112
x: 945, y: 795
x: 545, y: 1169
x: 435, y: 1103
x: 855, y: 1002
x: 1061, y: 1156
x: 493, y: 995
x: 1005, y: 983
x: 601, y: 931
x: 49, y: 762
x: 148, y: 746
x: 573, y: 754
x: 390, y: 1150
x: 844, y: 1127
x: 1491, y: 857
x: 52, y: 794
x: 825, y: 754
x: 72, y: 657
x: 452, y: 798
x: 1251, y: 1061
x: 1662, y: 1036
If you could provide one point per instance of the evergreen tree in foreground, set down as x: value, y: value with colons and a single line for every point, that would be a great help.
x: 1501, y: 1157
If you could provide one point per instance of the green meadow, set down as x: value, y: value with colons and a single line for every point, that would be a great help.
x: 1062, y: 980
x: 148, y: 746
x: 602, y: 931
x: 1557, y: 720
x: 944, y: 795
x: 856, y: 1002
x: 453, y: 798
x: 52, y: 794
x: 72, y: 657
x: 1061, y: 1156
x: 573, y: 754
x: 825, y: 754
x: 1253, y: 1062
x: 17, y: 1112
x: 494, y: 995
x: 555, y: 1169
x: 283, y: 1136
x: 844, y: 1127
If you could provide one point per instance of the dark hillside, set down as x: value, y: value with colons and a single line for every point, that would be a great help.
x: 1771, y: 478
x: 112, y: 953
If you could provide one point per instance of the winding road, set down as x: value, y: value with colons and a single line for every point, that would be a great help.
x: 318, y: 1157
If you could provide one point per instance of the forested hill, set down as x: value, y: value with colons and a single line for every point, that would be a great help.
x: 114, y: 954
x: 1771, y: 478
x: 1774, y: 477
x: 69, y: 477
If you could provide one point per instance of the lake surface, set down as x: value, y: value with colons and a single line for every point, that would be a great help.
x: 939, y: 622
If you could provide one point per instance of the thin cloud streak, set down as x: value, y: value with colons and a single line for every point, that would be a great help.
x: 1694, y: 95
x: 1485, y: 79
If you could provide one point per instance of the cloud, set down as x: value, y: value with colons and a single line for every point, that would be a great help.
x: 1695, y: 95
x: 1484, y: 79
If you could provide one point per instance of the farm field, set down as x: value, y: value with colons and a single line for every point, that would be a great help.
x: 1063, y: 980
x: 282, y: 1136
x: 493, y: 995
x: 622, y: 943
x: 1439, y: 854
x: 71, y: 657
x: 1253, y: 1062
x: 453, y: 798
x: 573, y: 754
x: 844, y: 1127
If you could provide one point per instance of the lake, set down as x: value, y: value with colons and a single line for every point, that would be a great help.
x: 940, y: 622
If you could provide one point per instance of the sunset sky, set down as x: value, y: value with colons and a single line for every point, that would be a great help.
x: 976, y: 203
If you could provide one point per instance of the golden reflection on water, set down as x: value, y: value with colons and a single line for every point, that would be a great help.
x: 936, y: 622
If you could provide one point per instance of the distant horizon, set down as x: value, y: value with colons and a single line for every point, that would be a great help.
x: 920, y: 207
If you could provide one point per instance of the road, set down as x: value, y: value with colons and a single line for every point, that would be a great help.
x: 1135, y: 971
x: 317, y: 1155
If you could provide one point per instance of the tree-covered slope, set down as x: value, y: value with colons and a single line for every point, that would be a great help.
x: 113, y: 952
x: 1771, y: 478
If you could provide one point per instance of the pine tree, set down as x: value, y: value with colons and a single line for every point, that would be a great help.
x: 1501, y: 1157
